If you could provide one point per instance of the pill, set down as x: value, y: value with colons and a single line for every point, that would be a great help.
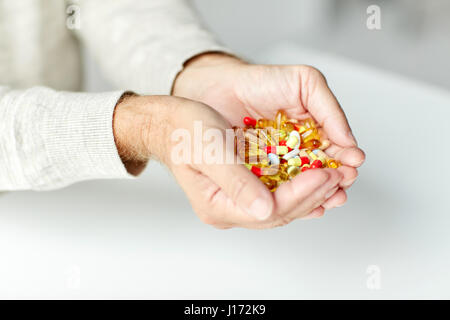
x: 316, y: 164
x: 249, y: 121
x: 264, y: 171
x: 280, y: 119
x: 295, y: 162
x: 325, y: 144
x: 304, y: 153
x: 271, y: 148
x: 312, y: 155
x: 305, y: 167
x: 273, y: 159
x: 305, y: 160
x: 292, y: 171
x: 277, y: 149
x: 294, y: 140
x: 311, y: 144
x: 331, y: 163
x: 256, y: 171
x: 265, y: 123
x: 291, y: 154
x: 322, y: 156
x: 270, y: 183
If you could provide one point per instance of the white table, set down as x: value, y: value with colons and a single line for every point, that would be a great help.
x: 140, y: 239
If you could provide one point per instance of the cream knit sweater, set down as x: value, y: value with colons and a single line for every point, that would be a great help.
x: 50, y: 138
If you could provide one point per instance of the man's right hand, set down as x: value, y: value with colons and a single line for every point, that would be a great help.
x: 223, y: 195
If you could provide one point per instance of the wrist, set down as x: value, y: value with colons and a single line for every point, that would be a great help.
x: 203, y: 71
x: 138, y: 131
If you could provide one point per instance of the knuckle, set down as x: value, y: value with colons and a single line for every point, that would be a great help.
x: 312, y: 76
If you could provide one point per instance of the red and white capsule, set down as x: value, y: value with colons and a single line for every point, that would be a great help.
x: 280, y: 150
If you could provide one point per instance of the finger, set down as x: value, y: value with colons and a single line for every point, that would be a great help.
x: 336, y: 200
x: 349, y: 176
x: 291, y: 194
x: 316, y: 213
x: 323, y: 105
x: 353, y: 157
x: 242, y: 187
x: 317, y: 197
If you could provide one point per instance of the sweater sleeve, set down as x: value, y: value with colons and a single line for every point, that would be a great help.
x: 141, y: 45
x: 50, y: 139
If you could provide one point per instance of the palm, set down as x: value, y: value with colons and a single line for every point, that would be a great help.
x: 261, y: 92
x: 258, y: 93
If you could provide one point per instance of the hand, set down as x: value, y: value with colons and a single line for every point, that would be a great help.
x: 237, y: 89
x: 223, y: 195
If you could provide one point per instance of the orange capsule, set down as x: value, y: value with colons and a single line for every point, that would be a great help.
x: 270, y: 183
x: 280, y: 119
x: 265, y: 123
x: 311, y: 144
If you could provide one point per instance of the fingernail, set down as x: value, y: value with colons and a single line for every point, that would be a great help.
x: 260, y: 209
x: 331, y: 192
x: 348, y: 183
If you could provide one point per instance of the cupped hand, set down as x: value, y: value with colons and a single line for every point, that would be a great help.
x: 222, y: 194
x: 237, y: 89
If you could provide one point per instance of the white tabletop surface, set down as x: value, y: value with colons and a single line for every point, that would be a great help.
x: 140, y: 238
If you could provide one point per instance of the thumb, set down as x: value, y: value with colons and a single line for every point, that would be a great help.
x: 242, y: 187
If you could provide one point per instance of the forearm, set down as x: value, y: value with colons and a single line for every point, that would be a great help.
x: 144, y: 43
x: 50, y: 139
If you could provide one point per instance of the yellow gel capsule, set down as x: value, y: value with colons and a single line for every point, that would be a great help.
x: 292, y: 171
x: 280, y: 119
x: 331, y: 163
x: 265, y: 123
x: 270, y: 183
x: 295, y: 162
x: 311, y: 144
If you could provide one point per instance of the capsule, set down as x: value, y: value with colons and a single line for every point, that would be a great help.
x: 273, y: 159
x: 277, y: 149
x: 280, y: 119
x: 294, y: 140
x: 311, y: 144
x: 291, y: 154
x: 270, y: 183
x: 298, y: 161
x: 325, y: 144
x: 305, y: 160
x: 331, y: 163
x: 248, y: 121
x: 304, y: 153
x: 305, y: 167
x: 265, y: 123
x: 292, y: 171
x: 316, y: 164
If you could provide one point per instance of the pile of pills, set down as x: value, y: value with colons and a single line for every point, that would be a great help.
x: 278, y: 150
